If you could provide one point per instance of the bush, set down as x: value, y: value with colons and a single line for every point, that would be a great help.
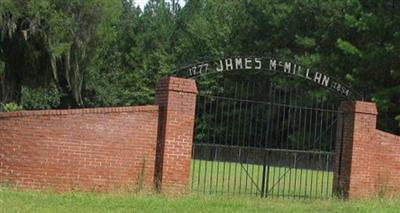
x: 10, y: 107
x: 40, y: 98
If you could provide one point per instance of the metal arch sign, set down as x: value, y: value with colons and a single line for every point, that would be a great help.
x: 271, y: 65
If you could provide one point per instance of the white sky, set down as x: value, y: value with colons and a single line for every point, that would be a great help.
x: 142, y: 3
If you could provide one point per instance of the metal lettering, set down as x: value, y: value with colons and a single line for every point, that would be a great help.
x: 272, y: 64
x: 308, y: 74
x: 247, y: 63
x: 294, y: 69
x: 193, y: 71
x: 220, y: 68
x: 299, y: 71
x: 347, y: 92
x: 287, y: 67
x: 281, y: 64
x: 239, y: 63
x: 338, y: 87
x: 229, y: 64
x: 318, y: 77
x: 325, y: 80
x: 258, y: 64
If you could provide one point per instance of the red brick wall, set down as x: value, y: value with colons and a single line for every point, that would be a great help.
x: 177, y: 100
x: 108, y: 149
x: 99, y: 149
x: 103, y: 149
x: 370, y: 158
x: 388, y: 162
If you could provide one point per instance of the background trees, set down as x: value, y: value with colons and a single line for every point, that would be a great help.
x: 52, y: 42
x: 59, y: 54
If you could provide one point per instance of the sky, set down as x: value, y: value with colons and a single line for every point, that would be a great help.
x: 142, y: 3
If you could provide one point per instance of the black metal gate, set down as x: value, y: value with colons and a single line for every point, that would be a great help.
x: 266, y: 140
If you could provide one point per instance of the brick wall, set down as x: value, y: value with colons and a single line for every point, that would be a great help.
x: 177, y: 100
x: 88, y: 149
x: 369, y: 158
x: 388, y: 162
x: 128, y: 148
x: 103, y: 149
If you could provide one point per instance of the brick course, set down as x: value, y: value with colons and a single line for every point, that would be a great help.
x: 388, y: 162
x: 370, y: 158
x: 177, y: 100
x: 127, y: 148
x: 99, y: 149
x: 103, y: 149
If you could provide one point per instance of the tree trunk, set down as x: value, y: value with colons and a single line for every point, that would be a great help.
x: 67, y: 100
x: 14, y: 60
x: 10, y: 86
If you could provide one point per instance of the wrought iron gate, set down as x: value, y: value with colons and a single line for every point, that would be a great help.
x: 280, y: 145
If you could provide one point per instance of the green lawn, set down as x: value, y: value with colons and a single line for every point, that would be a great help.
x: 31, y: 202
x: 212, y: 177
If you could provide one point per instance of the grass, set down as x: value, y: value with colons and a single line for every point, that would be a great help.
x: 46, y: 202
x: 219, y: 184
x: 213, y: 177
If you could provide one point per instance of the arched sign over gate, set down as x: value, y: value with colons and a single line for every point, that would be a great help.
x: 265, y: 136
x: 272, y: 66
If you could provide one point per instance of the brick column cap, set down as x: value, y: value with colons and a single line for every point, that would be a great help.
x: 177, y: 85
x: 359, y: 107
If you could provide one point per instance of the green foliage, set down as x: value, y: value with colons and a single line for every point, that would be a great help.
x: 2, y: 66
x: 109, y: 52
x: 305, y: 42
x: 14, y: 201
x: 348, y: 48
x: 52, y: 41
x: 137, y: 56
x: 11, y: 107
x: 41, y: 97
x: 398, y: 119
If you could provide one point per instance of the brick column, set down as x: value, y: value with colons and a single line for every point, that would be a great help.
x: 356, y: 149
x: 177, y: 100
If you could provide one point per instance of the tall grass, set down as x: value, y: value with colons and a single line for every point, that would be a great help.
x: 46, y: 202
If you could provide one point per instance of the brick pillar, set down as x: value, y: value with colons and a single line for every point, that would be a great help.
x: 356, y: 148
x: 177, y: 100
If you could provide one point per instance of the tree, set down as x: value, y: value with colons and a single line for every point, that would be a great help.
x: 51, y: 40
x: 109, y: 52
x: 138, y: 56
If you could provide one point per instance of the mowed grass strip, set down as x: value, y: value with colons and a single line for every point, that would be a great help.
x: 13, y: 201
x: 217, y: 177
